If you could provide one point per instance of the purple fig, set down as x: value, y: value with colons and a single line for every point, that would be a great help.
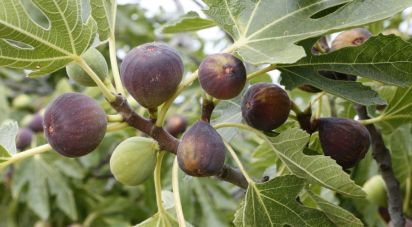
x: 74, y: 124
x: 222, y: 76
x: 24, y: 138
x: 265, y: 106
x: 151, y: 73
x: 201, y: 152
x: 36, y: 123
x: 345, y: 140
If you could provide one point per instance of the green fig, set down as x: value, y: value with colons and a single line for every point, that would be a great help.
x: 375, y: 189
x: 134, y: 160
x: 97, y: 63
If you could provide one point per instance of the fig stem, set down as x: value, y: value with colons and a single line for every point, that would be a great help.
x: 165, y: 107
x: 106, y: 92
x: 261, y: 71
x: 113, y: 56
x: 408, y: 192
x: 295, y: 108
x: 26, y: 154
x: 176, y: 194
x: 115, y: 118
x: 116, y: 126
x: 158, y: 182
x: 371, y: 120
x: 239, y: 163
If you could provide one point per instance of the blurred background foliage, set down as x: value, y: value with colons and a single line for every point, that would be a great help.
x: 50, y: 190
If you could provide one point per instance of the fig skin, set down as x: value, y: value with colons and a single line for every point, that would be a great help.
x: 201, y: 152
x: 176, y: 125
x: 265, y: 106
x: 375, y: 189
x: 36, y: 123
x: 74, y: 124
x: 24, y: 138
x: 151, y: 73
x: 222, y: 76
x: 352, y: 37
x: 96, y: 61
x: 134, y: 160
x: 345, y: 140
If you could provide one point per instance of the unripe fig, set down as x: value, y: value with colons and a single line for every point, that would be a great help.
x: 265, y: 106
x: 151, y: 73
x: 222, y: 76
x: 96, y: 61
x: 375, y: 189
x: 24, y: 138
x: 74, y: 124
x: 201, y: 152
x: 134, y: 160
x: 345, y: 140
x: 36, y: 123
x: 176, y: 125
x: 353, y: 37
x: 22, y: 101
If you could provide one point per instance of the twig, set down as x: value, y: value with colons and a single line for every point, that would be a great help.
x: 166, y: 141
x: 382, y: 156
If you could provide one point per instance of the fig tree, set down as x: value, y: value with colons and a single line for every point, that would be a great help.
x: 24, y: 138
x: 36, y: 123
x: 96, y: 61
x: 74, y: 124
x: 176, y: 125
x: 265, y: 106
x: 151, y: 73
x: 222, y: 76
x: 201, y: 152
x: 134, y: 160
x: 344, y: 140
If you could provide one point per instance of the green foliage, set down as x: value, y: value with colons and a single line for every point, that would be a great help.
x: 187, y: 23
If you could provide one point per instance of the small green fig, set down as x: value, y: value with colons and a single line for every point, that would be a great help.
x: 375, y: 189
x: 222, y: 76
x: 345, y: 140
x: 74, y: 124
x: 176, y: 125
x: 353, y: 37
x: 96, y: 61
x: 151, y: 73
x: 265, y: 106
x: 201, y: 152
x: 24, y: 138
x: 134, y: 160
x: 22, y: 101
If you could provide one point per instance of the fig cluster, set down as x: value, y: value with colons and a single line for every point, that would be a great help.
x: 24, y: 136
x: 151, y: 73
x: 134, y: 160
x: 97, y: 63
x: 345, y: 140
x: 201, y: 152
x: 74, y: 124
x: 222, y: 76
x: 265, y: 106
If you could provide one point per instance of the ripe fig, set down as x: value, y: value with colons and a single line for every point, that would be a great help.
x: 24, y: 138
x: 134, y: 160
x: 345, y: 140
x: 74, y: 124
x: 96, y: 61
x: 265, y: 106
x: 375, y: 189
x: 36, y: 123
x: 201, y: 152
x: 353, y: 37
x: 151, y: 73
x: 176, y: 125
x: 222, y: 76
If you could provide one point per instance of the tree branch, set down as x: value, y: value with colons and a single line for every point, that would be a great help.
x: 382, y: 156
x: 166, y: 141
